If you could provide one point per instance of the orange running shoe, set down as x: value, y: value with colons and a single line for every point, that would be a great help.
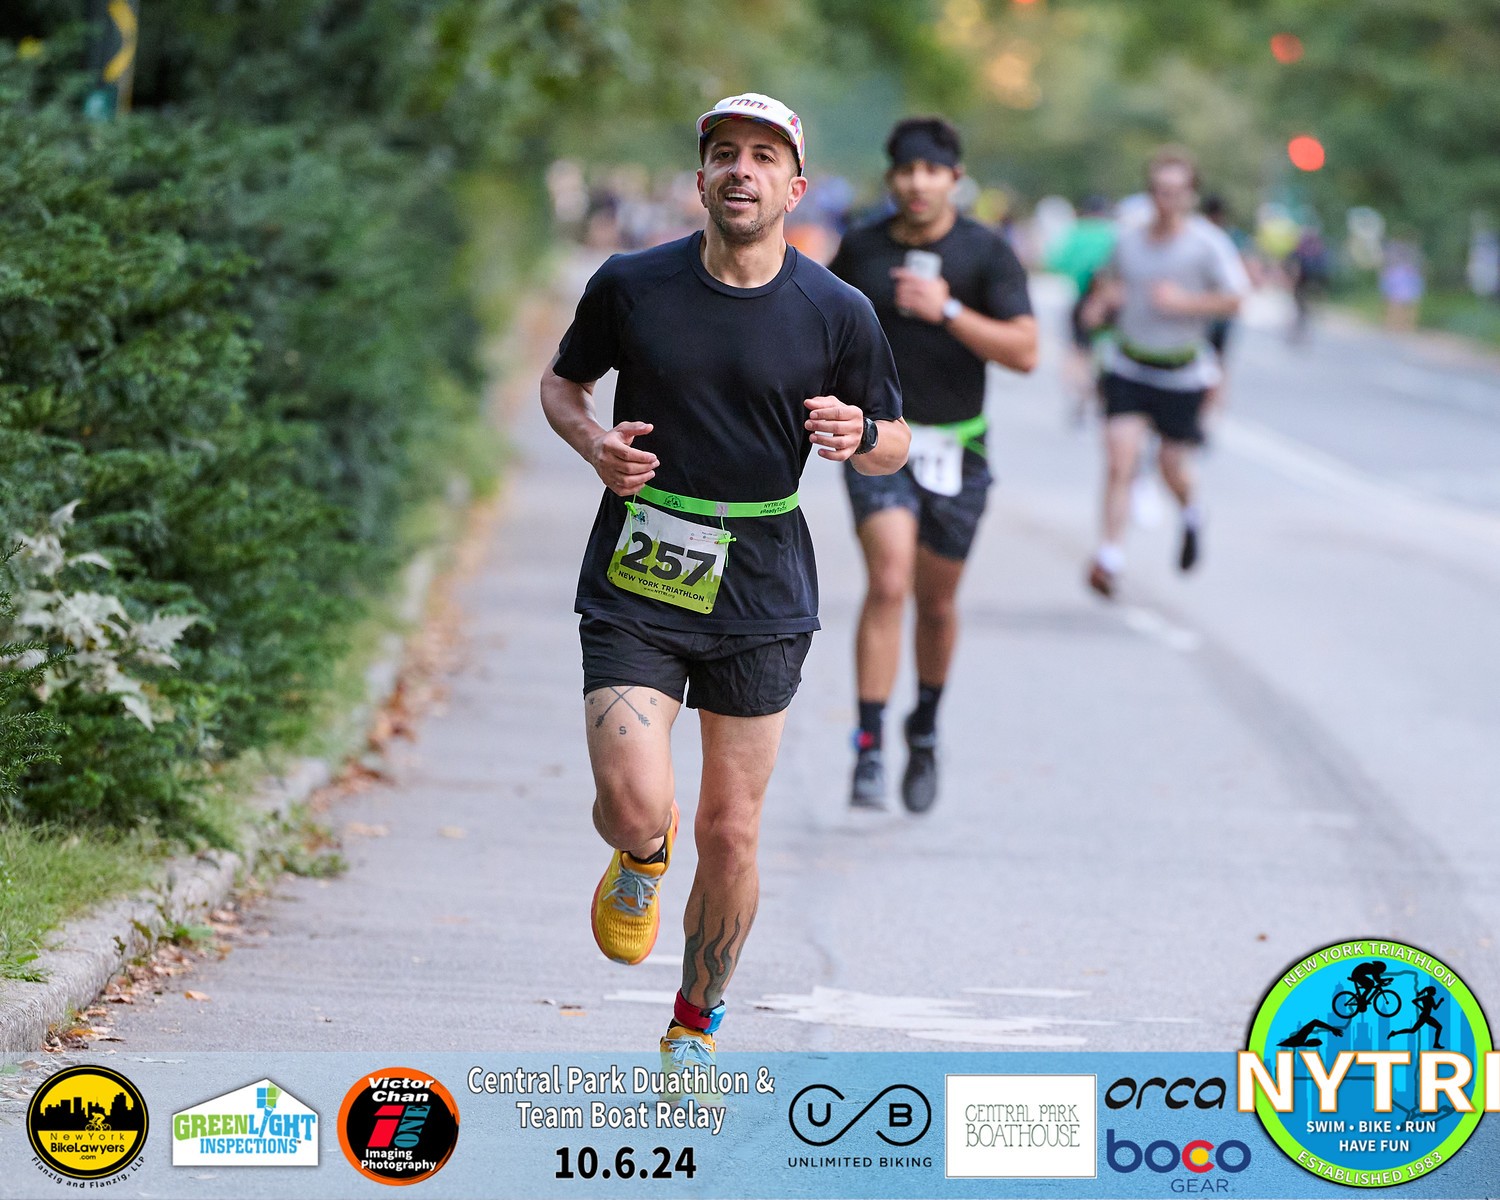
x: 626, y: 916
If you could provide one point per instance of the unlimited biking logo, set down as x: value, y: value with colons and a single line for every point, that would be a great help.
x: 1369, y: 1063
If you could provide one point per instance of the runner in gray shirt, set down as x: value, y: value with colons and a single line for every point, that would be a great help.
x: 1165, y: 283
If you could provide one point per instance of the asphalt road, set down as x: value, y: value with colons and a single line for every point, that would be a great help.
x: 1149, y: 808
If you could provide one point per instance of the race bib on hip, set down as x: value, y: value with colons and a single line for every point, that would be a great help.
x: 936, y: 459
x: 663, y: 557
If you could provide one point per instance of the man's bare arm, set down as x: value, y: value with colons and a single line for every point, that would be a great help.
x: 569, y: 407
x: 838, y: 428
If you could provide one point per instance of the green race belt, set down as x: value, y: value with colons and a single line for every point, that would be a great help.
x: 717, y: 508
x: 967, y: 432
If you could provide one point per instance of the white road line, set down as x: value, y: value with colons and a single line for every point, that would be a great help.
x: 1151, y: 624
x: 1315, y: 469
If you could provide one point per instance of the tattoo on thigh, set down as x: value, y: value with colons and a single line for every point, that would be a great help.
x: 718, y: 955
x: 622, y: 696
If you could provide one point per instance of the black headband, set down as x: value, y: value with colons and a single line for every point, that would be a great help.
x: 914, y: 144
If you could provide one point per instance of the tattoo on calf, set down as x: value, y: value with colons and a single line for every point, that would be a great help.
x: 718, y: 955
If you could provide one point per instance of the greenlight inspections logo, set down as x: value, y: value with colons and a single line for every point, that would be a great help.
x: 1369, y: 1063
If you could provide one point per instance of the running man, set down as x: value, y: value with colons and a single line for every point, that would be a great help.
x: 1167, y: 281
x: 736, y: 356
x: 916, y: 526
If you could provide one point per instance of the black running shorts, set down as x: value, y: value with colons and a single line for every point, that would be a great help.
x: 1173, y: 414
x: 946, y: 525
x: 732, y: 674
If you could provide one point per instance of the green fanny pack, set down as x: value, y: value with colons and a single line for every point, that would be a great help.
x: 1166, y: 360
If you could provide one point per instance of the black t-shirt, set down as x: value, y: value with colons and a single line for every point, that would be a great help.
x: 722, y: 373
x: 942, y: 380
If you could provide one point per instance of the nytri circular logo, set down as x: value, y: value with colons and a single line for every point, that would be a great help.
x: 87, y: 1123
x: 1369, y: 1063
x: 398, y: 1125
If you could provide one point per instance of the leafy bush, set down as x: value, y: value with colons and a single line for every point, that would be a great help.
x: 23, y: 730
x: 245, y: 351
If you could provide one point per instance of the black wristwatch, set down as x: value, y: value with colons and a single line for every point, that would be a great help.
x: 872, y: 435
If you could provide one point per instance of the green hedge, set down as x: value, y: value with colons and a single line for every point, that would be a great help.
x: 246, y: 351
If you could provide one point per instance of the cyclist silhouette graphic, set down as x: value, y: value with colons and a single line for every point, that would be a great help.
x: 1303, y: 1036
x: 1371, y: 990
x: 1427, y: 1002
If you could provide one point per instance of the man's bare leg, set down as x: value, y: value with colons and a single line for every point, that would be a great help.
x: 1124, y: 436
x: 888, y: 539
x: 937, y: 615
x: 1176, y: 462
x: 739, y: 754
x: 630, y: 750
x: 629, y: 733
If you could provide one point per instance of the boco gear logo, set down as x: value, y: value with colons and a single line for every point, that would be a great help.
x: 1369, y: 1063
x: 88, y: 1123
x: 398, y: 1126
x: 820, y: 1114
x: 1199, y: 1156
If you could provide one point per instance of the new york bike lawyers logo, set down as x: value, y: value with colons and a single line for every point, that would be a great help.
x: 258, y: 1125
x: 397, y: 1125
x: 1369, y: 1063
x: 88, y: 1123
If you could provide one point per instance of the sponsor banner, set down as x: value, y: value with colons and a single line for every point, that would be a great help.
x: 258, y: 1125
x: 823, y: 1126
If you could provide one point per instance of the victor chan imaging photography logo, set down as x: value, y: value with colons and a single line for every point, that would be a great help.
x: 258, y: 1125
x: 398, y: 1126
x: 88, y: 1123
x: 1369, y: 1063
x: 1022, y: 1126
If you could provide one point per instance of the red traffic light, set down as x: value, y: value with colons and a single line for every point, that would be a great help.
x: 1306, y: 152
x: 1286, y: 47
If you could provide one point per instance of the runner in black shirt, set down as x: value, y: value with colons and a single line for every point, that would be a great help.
x: 917, y: 525
x: 736, y: 356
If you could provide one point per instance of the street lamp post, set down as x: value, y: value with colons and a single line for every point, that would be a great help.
x: 112, y: 56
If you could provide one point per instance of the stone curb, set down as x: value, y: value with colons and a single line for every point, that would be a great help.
x: 93, y: 949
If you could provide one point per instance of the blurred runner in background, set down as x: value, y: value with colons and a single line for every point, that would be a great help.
x: 1079, y: 255
x: 951, y: 296
x: 1166, y: 281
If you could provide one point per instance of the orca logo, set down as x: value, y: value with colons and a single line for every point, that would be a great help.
x: 1208, y: 1094
x: 902, y: 1111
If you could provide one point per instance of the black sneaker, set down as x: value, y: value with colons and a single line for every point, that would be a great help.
x: 919, y: 781
x: 1189, y: 553
x: 868, y: 788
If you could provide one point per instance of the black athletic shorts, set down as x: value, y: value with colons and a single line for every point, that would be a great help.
x: 1173, y: 414
x: 732, y: 674
x: 946, y: 525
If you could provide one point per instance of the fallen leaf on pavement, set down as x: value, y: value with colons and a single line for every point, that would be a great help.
x: 453, y: 831
x: 196, y: 996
